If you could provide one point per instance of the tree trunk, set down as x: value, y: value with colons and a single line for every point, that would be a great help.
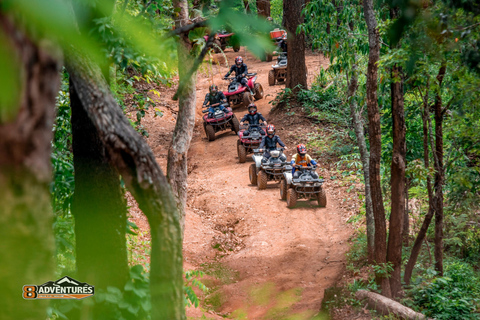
x: 428, y: 217
x: 182, y: 135
x: 406, y: 218
x: 26, y: 235
x: 296, y: 68
x: 263, y: 8
x: 134, y: 160
x: 246, y: 4
x: 387, y: 306
x: 98, y: 206
x: 375, y: 144
x: 395, y: 235
x: 364, y: 156
x: 439, y: 174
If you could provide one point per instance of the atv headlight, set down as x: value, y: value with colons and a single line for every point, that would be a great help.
x: 275, y: 153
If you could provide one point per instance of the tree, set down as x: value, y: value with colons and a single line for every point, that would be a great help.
x: 263, y: 8
x: 296, y: 68
x: 395, y: 235
x: 26, y: 237
x: 134, y: 160
x: 375, y: 144
x: 182, y: 135
x: 98, y: 206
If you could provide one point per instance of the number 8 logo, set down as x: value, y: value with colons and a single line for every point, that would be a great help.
x: 29, y: 292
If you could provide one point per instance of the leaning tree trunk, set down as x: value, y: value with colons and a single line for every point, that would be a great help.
x: 439, y: 174
x: 417, y: 245
x: 246, y: 4
x: 375, y: 143
x: 134, y: 160
x: 26, y: 235
x: 395, y: 235
x: 263, y: 8
x: 296, y: 68
x: 99, y: 208
x: 182, y: 135
x: 364, y: 156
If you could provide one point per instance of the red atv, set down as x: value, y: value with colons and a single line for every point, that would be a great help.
x: 238, y: 94
x: 246, y: 144
x: 219, y: 121
x: 222, y: 40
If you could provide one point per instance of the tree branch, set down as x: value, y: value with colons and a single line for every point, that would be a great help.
x: 186, y: 28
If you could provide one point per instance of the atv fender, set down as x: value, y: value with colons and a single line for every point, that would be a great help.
x: 288, y: 177
x: 258, y: 160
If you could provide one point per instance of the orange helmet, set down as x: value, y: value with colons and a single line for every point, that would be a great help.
x: 302, y: 150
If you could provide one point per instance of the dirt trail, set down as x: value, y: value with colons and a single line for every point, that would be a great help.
x: 274, y: 262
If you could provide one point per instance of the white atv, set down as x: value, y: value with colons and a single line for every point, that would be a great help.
x: 261, y: 172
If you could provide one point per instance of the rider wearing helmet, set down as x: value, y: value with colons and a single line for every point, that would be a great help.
x: 302, y: 159
x: 253, y: 118
x: 269, y: 142
x: 214, y: 97
x: 240, y: 70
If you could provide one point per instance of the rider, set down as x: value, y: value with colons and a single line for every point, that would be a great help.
x: 253, y: 118
x: 214, y: 97
x: 240, y: 70
x: 302, y: 159
x: 269, y: 143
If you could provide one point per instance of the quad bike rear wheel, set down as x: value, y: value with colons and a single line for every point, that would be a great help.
x: 262, y: 179
x: 271, y: 77
x: 247, y: 98
x: 322, y: 198
x: 283, y: 189
x: 252, y: 174
x: 210, y: 132
x: 258, y: 89
x: 269, y: 57
x: 235, y: 125
x: 242, y: 153
x: 291, y: 198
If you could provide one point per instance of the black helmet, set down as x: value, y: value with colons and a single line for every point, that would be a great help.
x: 213, y: 89
x: 270, y: 130
x: 238, y: 60
x: 252, y: 108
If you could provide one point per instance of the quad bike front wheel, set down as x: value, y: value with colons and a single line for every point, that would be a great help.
x: 252, y: 174
x: 236, y: 48
x: 262, y: 179
x: 271, y: 77
x: 247, y: 98
x: 258, y: 89
x: 235, y: 125
x: 242, y: 154
x: 322, y: 198
x: 210, y: 132
x: 283, y: 189
x: 291, y: 198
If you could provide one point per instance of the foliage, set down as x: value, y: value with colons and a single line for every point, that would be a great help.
x: 454, y: 296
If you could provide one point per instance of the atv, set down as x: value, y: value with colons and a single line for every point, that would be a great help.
x: 261, y: 172
x: 224, y: 39
x: 279, y: 39
x: 307, y: 185
x: 238, y: 94
x: 279, y: 71
x: 219, y: 121
x: 246, y: 144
